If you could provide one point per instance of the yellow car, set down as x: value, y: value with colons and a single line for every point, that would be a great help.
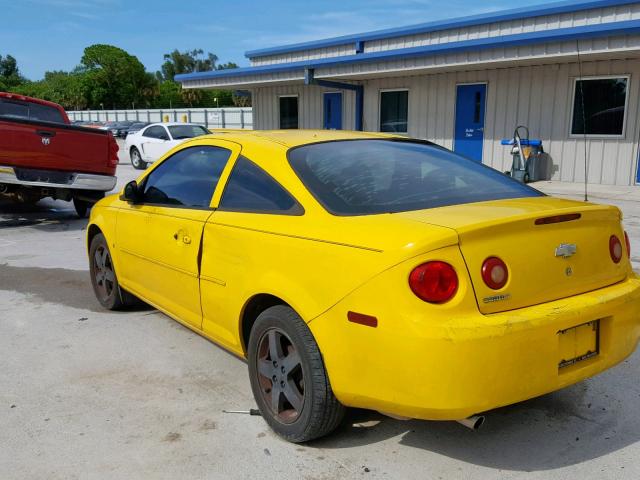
x: 365, y: 270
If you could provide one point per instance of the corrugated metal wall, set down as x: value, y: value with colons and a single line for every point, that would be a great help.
x: 510, y: 27
x: 536, y: 96
x: 266, y: 106
x: 578, y: 18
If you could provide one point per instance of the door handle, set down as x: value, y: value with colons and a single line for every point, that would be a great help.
x: 186, y: 239
x: 46, y: 133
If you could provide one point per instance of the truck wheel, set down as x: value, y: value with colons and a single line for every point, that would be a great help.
x: 288, y: 378
x: 104, y: 279
x: 81, y: 206
x: 136, y: 159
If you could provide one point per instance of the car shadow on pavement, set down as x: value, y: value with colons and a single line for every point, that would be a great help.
x: 71, y: 288
x: 46, y: 215
x: 557, y: 430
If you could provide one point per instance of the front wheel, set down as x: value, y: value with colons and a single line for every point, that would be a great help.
x: 136, y: 159
x: 104, y: 279
x: 288, y: 377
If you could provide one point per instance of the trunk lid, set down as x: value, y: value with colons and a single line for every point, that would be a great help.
x: 537, y: 273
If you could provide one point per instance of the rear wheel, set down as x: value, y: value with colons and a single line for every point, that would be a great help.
x: 136, y: 159
x: 288, y: 377
x: 104, y: 279
x: 81, y: 206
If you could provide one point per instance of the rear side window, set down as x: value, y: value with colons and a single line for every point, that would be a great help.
x: 362, y: 177
x: 30, y: 111
x: 251, y: 189
x: 188, y: 178
x: 44, y: 113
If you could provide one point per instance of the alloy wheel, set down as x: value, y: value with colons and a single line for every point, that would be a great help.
x: 103, y: 272
x: 280, y: 375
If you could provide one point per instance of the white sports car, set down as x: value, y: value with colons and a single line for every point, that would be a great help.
x: 152, y: 142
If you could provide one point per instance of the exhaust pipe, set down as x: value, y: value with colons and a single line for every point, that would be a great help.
x: 474, y: 422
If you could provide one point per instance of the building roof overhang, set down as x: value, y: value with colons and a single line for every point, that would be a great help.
x: 246, y: 75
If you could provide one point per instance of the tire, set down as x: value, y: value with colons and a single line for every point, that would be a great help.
x: 526, y: 178
x: 81, y: 206
x: 136, y: 159
x: 103, y: 277
x: 303, y: 406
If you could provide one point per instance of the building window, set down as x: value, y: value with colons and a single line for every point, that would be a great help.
x: 394, y: 111
x: 289, y: 112
x: 604, y: 101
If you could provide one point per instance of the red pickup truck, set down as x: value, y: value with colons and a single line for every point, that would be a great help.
x: 43, y: 155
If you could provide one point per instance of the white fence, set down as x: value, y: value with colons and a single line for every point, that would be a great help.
x: 209, y: 117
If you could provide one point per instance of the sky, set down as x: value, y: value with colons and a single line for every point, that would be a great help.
x: 48, y: 35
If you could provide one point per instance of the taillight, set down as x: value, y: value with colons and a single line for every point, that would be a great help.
x: 628, y: 242
x: 615, y: 249
x: 434, y: 282
x: 495, y: 273
x: 112, y: 160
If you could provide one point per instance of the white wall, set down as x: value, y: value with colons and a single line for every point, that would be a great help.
x: 536, y: 96
x: 231, y: 117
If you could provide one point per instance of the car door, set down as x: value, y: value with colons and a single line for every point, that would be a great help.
x: 153, y: 143
x: 159, y: 239
x: 252, y: 201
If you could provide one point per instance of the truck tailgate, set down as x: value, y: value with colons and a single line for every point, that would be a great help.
x: 55, y: 146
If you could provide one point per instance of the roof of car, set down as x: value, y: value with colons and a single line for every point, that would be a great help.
x: 293, y: 138
x: 170, y: 124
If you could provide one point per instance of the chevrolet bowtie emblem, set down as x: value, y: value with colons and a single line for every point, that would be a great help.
x: 566, y: 250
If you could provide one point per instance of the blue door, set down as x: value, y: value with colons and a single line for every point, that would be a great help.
x: 333, y: 111
x: 469, y: 128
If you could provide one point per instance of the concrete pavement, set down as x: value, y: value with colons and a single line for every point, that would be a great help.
x: 91, y: 394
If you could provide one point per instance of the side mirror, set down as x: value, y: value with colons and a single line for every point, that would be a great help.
x: 132, y: 193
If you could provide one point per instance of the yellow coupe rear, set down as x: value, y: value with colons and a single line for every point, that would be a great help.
x: 365, y: 270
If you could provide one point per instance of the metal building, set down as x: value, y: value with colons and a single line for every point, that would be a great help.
x: 570, y: 71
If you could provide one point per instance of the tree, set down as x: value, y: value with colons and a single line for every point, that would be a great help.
x: 9, y: 73
x: 115, y: 79
x: 177, y: 63
x: 225, y: 66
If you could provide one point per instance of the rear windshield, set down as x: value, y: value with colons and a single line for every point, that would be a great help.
x: 187, y: 131
x: 359, y: 177
x: 30, y: 111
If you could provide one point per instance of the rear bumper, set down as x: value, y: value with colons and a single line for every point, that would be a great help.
x: 63, y: 180
x: 446, y: 370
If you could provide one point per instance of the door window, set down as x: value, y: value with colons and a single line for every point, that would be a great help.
x: 156, y: 132
x: 251, y: 189
x: 180, y: 132
x: 188, y: 178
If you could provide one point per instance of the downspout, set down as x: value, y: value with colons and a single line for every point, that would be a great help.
x: 309, y: 79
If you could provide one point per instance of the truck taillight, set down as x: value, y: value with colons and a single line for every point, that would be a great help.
x: 434, y: 282
x: 113, y: 152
